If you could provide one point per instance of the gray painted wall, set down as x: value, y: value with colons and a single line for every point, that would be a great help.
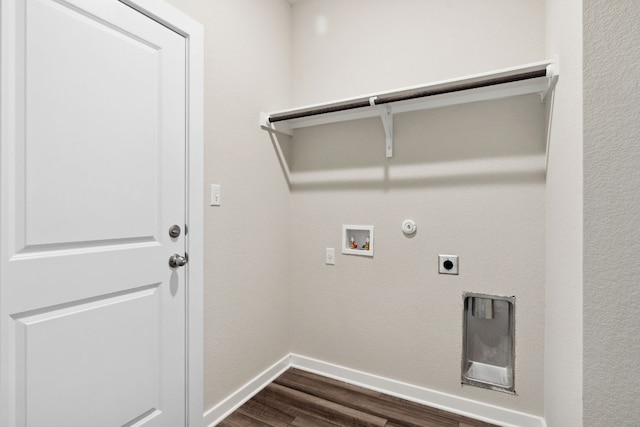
x: 611, y: 213
x: 471, y: 176
x: 392, y: 315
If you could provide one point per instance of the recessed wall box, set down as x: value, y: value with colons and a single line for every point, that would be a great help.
x: 488, y: 343
x: 357, y: 240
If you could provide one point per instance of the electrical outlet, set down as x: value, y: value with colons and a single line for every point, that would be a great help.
x: 330, y: 256
x: 448, y: 264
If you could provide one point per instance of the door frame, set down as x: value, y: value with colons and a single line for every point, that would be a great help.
x: 192, y: 31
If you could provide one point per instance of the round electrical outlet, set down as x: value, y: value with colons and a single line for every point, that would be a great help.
x: 448, y: 264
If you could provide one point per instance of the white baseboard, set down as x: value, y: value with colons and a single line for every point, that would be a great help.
x: 223, y: 409
x: 448, y: 402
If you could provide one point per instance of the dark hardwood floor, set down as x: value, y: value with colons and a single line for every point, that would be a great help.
x: 302, y: 399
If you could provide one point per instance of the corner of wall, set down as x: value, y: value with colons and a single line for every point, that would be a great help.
x: 564, y: 218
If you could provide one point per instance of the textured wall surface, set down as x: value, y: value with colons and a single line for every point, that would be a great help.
x: 247, y: 70
x: 611, y: 213
x: 471, y: 176
x: 563, y: 287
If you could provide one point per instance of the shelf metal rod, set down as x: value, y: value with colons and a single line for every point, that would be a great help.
x: 406, y: 95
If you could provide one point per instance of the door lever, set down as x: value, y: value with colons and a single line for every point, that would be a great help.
x: 176, y: 260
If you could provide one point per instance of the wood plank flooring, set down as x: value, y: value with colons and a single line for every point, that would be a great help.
x: 302, y: 399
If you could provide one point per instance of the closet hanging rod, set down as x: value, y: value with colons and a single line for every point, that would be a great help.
x: 536, y: 78
x: 406, y: 95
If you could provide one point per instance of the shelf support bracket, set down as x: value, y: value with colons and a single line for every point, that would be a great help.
x: 283, y: 128
x: 552, y: 76
x: 387, y: 122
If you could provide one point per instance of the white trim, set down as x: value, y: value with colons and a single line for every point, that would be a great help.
x: 193, y: 33
x: 448, y: 402
x: 195, y: 219
x: 455, y: 404
x: 223, y: 409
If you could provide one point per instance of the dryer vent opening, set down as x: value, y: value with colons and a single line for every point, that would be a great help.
x: 488, y: 342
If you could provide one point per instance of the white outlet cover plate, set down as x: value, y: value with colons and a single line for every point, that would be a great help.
x: 454, y: 261
x: 330, y: 256
x: 215, y: 195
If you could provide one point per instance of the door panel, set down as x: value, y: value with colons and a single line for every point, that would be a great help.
x: 96, y: 346
x: 92, y: 316
x: 86, y: 114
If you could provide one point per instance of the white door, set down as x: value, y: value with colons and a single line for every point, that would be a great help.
x: 92, y: 177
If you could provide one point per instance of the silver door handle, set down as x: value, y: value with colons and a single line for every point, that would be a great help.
x: 176, y: 260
